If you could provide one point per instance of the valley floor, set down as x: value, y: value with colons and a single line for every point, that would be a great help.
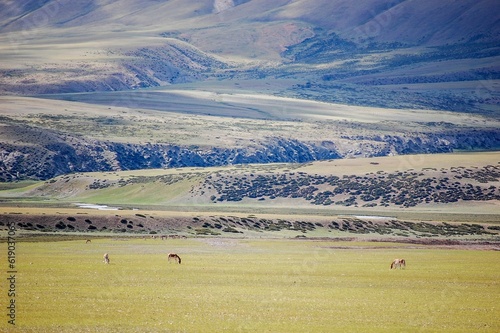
x: 250, y: 285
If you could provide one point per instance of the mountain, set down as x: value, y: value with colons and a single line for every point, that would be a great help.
x: 257, y: 81
x: 404, y: 53
x: 422, y: 22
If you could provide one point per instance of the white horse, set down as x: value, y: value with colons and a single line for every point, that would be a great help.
x: 106, y: 258
x: 401, y: 263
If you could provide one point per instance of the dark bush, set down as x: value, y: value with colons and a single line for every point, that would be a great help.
x: 60, y: 225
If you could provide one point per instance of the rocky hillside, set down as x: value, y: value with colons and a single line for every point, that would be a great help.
x: 35, y: 153
x: 402, y: 53
x: 403, y: 189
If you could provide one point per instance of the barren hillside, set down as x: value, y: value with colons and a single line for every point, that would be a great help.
x: 43, y: 138
x: 146, y: 84
x: 305, y: 49
x: 396, y: 196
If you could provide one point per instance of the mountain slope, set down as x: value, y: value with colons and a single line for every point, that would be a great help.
x: 463, y: 183
x: 43, y: 138
x: 438, y: 23
x: 241, y: 32
x: 45, y: 43
x: 211, y: 58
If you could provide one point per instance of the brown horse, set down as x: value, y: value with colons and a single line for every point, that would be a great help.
x: 106, y: 258
x: 175, y: 257
x: 87, y: 241
x: 401, y: 263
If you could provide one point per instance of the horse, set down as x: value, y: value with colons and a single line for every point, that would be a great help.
x: 175, y: 257
x: 87, y: 241
x: 401, y: 263
x: 106, y: 258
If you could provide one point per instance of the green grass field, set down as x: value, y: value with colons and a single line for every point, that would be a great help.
x: 252, y: 285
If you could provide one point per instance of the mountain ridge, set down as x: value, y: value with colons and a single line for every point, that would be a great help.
x: 406, y: 56
x: 99, y: 37
x: 238, y: 31
x: 386, y: 20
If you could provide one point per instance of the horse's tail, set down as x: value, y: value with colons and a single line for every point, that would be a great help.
x: 179, y: 259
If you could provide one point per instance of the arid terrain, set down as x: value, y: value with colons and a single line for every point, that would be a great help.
x: 43, y: 138
x: 250, y: 107
x: 441, y: 196
x: 394, y: 54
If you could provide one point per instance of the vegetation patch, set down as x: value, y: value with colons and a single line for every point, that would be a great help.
x: 404, y: 189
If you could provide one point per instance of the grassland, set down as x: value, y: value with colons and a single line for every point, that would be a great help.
x: 244, y: 285
x: 249, y: 80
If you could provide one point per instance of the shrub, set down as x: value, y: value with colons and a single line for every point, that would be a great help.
x: 60, y: 225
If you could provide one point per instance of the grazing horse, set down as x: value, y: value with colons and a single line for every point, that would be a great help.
x: 175, y: 257
x: 106, y: 258
x: 401, y: 263
x: 87, y: 241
